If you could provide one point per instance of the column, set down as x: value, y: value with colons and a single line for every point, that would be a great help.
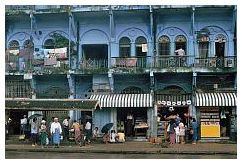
x: 71, y: 81
x: 132, y: 49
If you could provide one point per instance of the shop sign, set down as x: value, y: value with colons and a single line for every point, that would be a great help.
x: 28, y: 76
x: 174, y: 103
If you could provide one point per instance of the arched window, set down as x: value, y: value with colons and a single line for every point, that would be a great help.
x: 220, y: 41
x: 28, y: 44
x: 203, y: 46
x: 132, y: 90
x: 124, y: 47
x: 141, y: 46
x: 164, y: 45
x: 49, y: 44
x: 13, y: 45
x: 181, y: 42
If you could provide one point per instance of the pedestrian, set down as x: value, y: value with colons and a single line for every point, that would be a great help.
x: 76, y: 126
x: 56, y: 131
x: 177, y: 119
x: 34, y: 132
x: 181, y: 132
x: 181, y: 54
x: 177, y: 130
x: 66, y: 128
x: 95, y: 133
x: 51, y: 136
x: 172, y: 133
x: 43, y: 134
x: 106, y: 137
x: 88, y: 131
x: 113, y: 136
x: 130, y: 123
x: 194, y: 131
x: 23, y: 125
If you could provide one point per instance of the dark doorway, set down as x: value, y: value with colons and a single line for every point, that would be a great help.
x: 219, y: 49
x: 14, y: 127
x: 139, y: 116
x: 95, y: 51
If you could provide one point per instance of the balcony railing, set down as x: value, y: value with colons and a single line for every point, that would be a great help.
x: 23, y: 61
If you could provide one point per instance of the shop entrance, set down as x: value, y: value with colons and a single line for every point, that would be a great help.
x: 132, y: 121
x: 225, y: 121
x: 165, y: 112
x: 14, y: 126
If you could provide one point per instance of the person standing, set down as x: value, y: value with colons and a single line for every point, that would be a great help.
x: 34, y: 132
x: 23, y: 125
x: 182, y: 132
x: 51, y: 137
x: 194, y: 129
x: 56, y: 131
x: 66, y: 128
x: 130, y: 121
x: 177, y: 130
x: 43, y: 133
x: 76, y: 126
x: 88, y: 131
x: 172, y: 132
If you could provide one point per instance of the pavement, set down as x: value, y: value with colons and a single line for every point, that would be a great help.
x: 132, y: 147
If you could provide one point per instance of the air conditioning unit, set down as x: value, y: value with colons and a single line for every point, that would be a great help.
x: 228, y: 63
x: 212, y: 63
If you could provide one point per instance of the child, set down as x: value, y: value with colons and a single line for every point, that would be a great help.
x: 177, y: 130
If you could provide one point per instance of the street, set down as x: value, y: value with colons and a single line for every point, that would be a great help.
x: 54, y: 155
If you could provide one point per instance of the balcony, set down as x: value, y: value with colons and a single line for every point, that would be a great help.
x: 89, y: 66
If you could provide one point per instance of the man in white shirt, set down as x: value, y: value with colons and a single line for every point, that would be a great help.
x: 56, y: 131
x: 23, y: 123
x: 66, y: 128
x: 181, y: 54
x: 88, y: 131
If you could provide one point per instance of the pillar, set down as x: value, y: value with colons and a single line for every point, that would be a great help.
x: 132, y: 49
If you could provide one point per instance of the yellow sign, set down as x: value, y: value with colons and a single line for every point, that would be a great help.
x: 210, y: 131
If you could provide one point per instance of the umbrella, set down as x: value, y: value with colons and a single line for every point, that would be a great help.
x: 35, y: 115
x: 107, y: 127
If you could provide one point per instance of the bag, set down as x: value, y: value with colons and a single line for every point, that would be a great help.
x: 191, y: 131
x: 47, y: 141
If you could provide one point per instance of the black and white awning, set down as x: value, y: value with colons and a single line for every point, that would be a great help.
x: 216, y: 99
x: 124, y: 100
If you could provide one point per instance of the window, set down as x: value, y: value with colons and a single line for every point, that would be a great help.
x: 164, y: 45
x: 203, y: 46
x: 220, y: 41
x: 13, y: 45
x: 181, y: 42
x: 141, y: 46
x: 49, y: 44
x: 124, y: 47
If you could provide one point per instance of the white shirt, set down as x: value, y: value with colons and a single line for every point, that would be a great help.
x: 55, y: 125
x: 23, y: 121
x: 180, y: 52
x: 88, y: 125
x: 177, y: 129
x: 66, y: 122
x: 112, y: 137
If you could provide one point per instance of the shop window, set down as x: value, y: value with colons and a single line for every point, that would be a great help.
x: 181, y: 42
x: 49, y: 44
x: 203, y: 46
x: 164, y: 45
x: 14, y: 45
x: 141, y: 46
x: 124, y: 47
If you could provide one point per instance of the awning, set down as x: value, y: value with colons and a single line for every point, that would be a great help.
x: 216, y: 99
x: 50, y: 104
x: 124, y: 100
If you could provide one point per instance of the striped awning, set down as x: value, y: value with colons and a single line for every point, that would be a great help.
x: 124, y: 100
x: 216, y: 99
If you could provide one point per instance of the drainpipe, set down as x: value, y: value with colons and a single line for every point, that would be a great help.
x: 78, y: 44
x: 69, y: 46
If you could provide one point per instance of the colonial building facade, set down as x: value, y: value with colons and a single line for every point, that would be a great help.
x: 146, y: 61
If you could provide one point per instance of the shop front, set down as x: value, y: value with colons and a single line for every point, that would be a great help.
x: 131, y: 113
x: 216, y: 113
x: 171, y: 106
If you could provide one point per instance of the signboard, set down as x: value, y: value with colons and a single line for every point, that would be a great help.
x: 174, y: 103
x: 210, y: 122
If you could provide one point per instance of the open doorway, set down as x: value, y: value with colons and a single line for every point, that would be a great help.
x: 219, y: 48
x: 95, y: 51
x: 14, y: 127
x: 132, y: 121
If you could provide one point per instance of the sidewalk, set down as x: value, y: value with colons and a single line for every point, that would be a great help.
x: 132, y: 148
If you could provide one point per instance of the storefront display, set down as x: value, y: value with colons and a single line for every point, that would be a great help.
x: 210, y: 122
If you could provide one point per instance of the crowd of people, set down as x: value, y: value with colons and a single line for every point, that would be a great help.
x: 176, y: 130
x: 54, y: 132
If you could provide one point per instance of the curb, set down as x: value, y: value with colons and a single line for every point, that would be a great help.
x: 60, y: 150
